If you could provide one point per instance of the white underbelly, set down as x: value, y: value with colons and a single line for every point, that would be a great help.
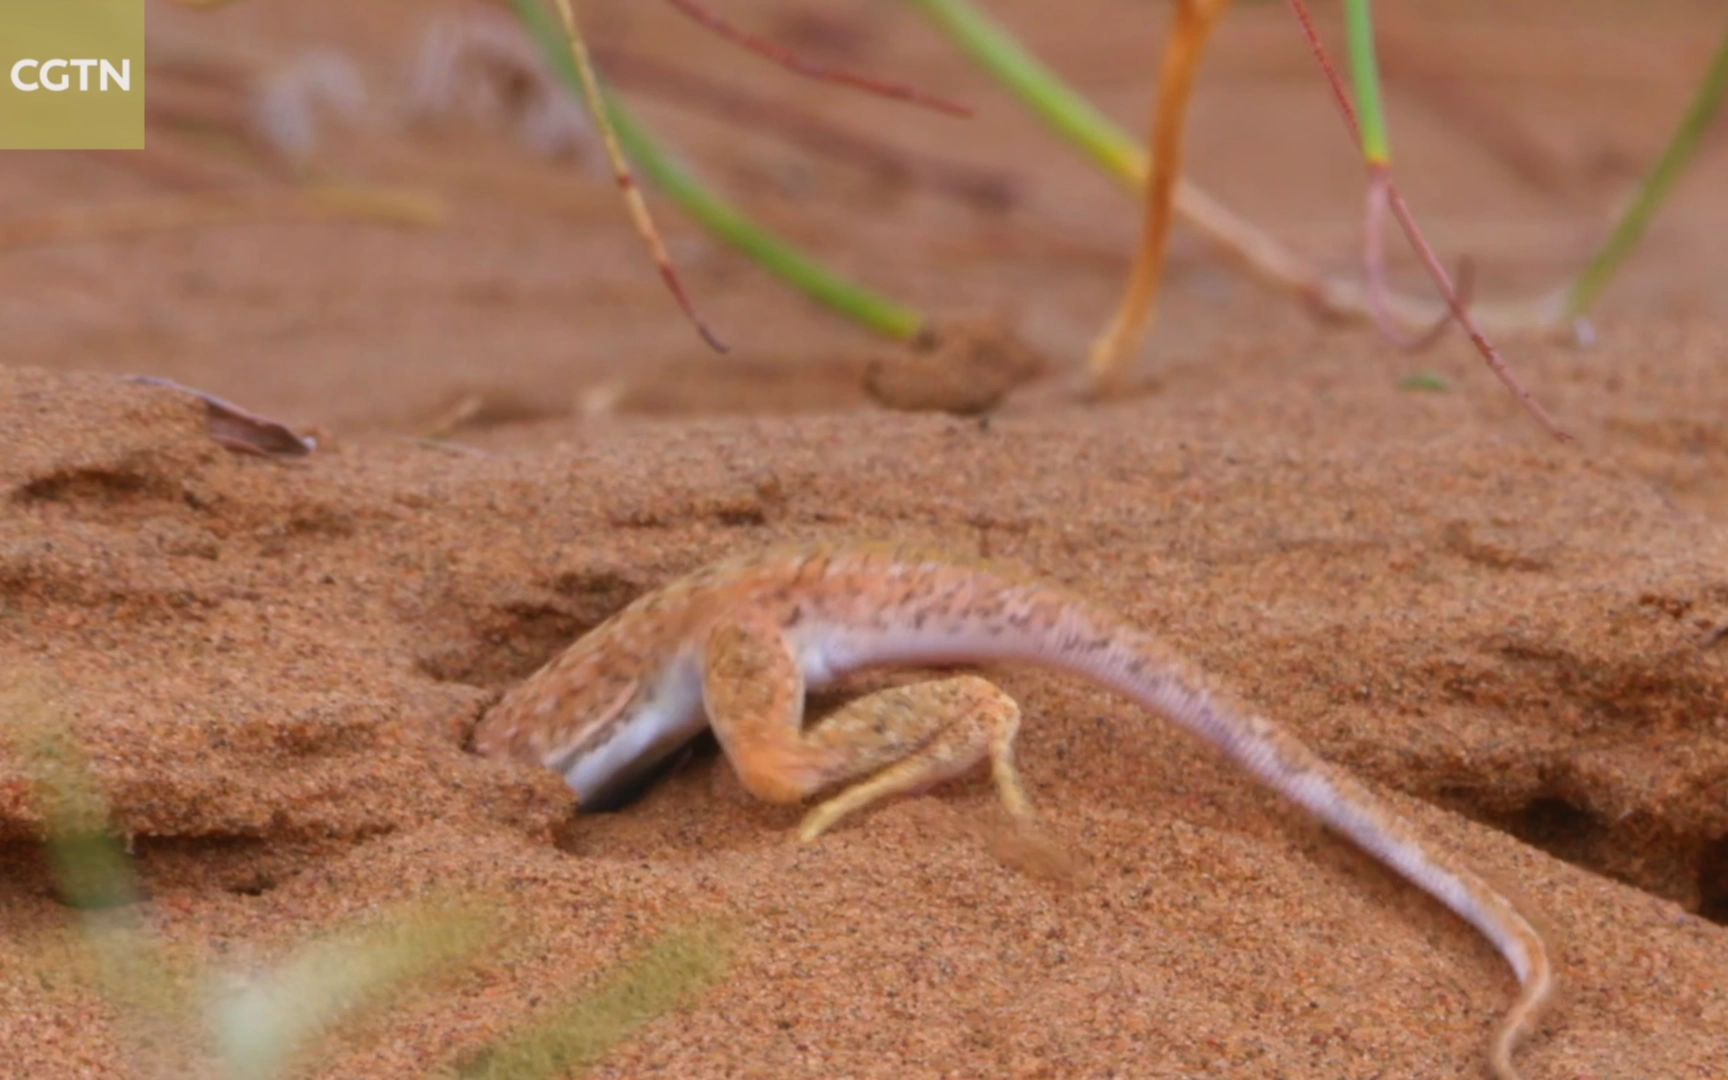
x: 659, y: 721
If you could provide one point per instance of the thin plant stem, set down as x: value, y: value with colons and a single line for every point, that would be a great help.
x: 1378, y: 199
x: 1589, y: 284
x: 1114, y: 349
x: 589, y: 82
x: 700, y: 14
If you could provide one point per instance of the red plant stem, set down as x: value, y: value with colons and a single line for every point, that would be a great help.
x: 791, y: 61
x: 1374, y: 271
x: 1333, y: 79
x: 640, y: 215
x: 1413, y: 233
x: 1496, y: 363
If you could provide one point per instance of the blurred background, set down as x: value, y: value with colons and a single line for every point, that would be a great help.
x: 522, y: 300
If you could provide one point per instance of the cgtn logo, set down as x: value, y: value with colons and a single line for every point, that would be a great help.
x: 81, y: 76
x: 72, y: 75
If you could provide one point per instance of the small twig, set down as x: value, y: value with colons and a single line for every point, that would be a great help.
x: 1376, y: 291
x: 1455, y: 301
x: 791, y: 61
x: 1333, y: 81
x: 632, y: 195
x: 1374, y: 271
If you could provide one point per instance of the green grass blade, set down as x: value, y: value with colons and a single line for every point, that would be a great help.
x: 1038, y: 88
x: 1365, y: 74
x: 862, y: 305
x: 1630, y: 229
x: 871, y: 309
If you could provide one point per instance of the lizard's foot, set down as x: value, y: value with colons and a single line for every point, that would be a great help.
x: 929, y: 732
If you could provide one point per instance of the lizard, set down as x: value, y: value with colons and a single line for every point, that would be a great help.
x: 736, y: 646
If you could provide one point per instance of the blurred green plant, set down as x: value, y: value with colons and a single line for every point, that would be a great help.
x: 258, y: 1025
x: 672, y: 970
x: 1624, y: 237
x: 1365, y: 74
x: 90, y: 867
x: 270, y: 1019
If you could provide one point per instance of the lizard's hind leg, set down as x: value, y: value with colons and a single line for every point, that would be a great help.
x: 902, y: 739
x: 914, y: 736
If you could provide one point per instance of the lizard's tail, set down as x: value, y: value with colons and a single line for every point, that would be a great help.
x: 1136, y: 665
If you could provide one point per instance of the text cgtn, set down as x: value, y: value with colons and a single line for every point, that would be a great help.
x: 61, y: 76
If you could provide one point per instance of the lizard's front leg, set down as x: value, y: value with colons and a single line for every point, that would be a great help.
x: 909, y: 737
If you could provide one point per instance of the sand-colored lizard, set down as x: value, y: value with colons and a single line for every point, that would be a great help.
x: 736, y: 646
